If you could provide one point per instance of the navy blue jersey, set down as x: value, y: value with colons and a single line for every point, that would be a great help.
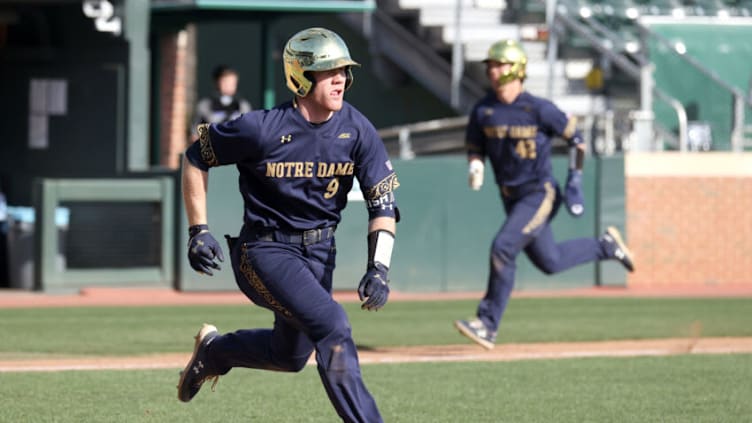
x: 294, y: 174
x: 516, y: 137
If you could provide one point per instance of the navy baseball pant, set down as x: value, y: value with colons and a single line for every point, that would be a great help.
x: 295, y: 282
x: 527, y: 227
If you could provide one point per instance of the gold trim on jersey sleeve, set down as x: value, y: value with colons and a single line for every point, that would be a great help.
x: 207, y: 152
x: 386, y: 185
x: 571, y: 127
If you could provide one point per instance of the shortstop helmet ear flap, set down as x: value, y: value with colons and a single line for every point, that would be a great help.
x: 314, y: 49
x: 508, y: 51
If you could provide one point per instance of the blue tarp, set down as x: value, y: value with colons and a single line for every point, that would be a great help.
x: 26, y: 215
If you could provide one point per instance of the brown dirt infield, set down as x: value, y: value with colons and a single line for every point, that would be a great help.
x: 445, y: 353
x: 425, y: 354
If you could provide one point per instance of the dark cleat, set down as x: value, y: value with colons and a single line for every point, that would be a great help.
x: 477, y: 332
x: 616, y: 248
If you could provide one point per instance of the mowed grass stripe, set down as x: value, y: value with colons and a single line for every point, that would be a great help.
x: 161, y: 329
x: 678, y: 388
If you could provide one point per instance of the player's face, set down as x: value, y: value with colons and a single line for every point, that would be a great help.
x: 494, y: 71
x: 329, y: 90
x: 227, y: 84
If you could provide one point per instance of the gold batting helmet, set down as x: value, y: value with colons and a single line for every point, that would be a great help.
x: 314, y: 49
x: 508, y: 51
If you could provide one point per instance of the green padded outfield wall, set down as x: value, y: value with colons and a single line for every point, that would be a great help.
x: 725, y: 50
x: 444, y: 237
x: 610, y: 201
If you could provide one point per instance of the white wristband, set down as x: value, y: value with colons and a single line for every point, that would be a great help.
x: 384, y: 246
x: 475, y: 174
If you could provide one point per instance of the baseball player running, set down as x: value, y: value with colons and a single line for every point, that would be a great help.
x: 513, y: 129
x: 296, y: 163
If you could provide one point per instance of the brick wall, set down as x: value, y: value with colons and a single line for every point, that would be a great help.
x: 689, y: 218
x: 176, y: 88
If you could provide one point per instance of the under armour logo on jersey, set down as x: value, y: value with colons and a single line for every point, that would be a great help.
x: 488, y: 111
x: 285, y: 138
x: 344, y: 136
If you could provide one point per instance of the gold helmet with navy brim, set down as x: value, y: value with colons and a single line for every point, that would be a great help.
x: 314, y: 49
x: 508, y: 51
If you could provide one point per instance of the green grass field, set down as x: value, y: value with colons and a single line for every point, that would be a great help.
x: 678, y: 388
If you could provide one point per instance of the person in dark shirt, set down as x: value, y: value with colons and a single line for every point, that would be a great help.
x: 224, y: 104
x: 297, y: 162
x: 513, y: 130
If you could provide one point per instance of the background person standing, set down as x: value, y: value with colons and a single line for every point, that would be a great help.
x: 224, y: 104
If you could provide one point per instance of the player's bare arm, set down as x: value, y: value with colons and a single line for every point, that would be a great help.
x: 384, y: 223
x: 203, y: 249
x: 195, y: 182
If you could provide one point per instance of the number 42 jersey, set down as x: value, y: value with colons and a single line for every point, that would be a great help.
x: 516, y: 137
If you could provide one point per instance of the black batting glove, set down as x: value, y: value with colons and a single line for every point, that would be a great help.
x: 203, y: 249
x: 374, y: 287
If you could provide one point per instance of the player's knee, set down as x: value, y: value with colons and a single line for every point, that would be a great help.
x: 340, y: 363
x: 500, y: 259
x: 549, y: 264
x: 336, y: 352
x: 546, y: 268
x: 547, y: 271
x: 504, y: 249
x: 292, y: 364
